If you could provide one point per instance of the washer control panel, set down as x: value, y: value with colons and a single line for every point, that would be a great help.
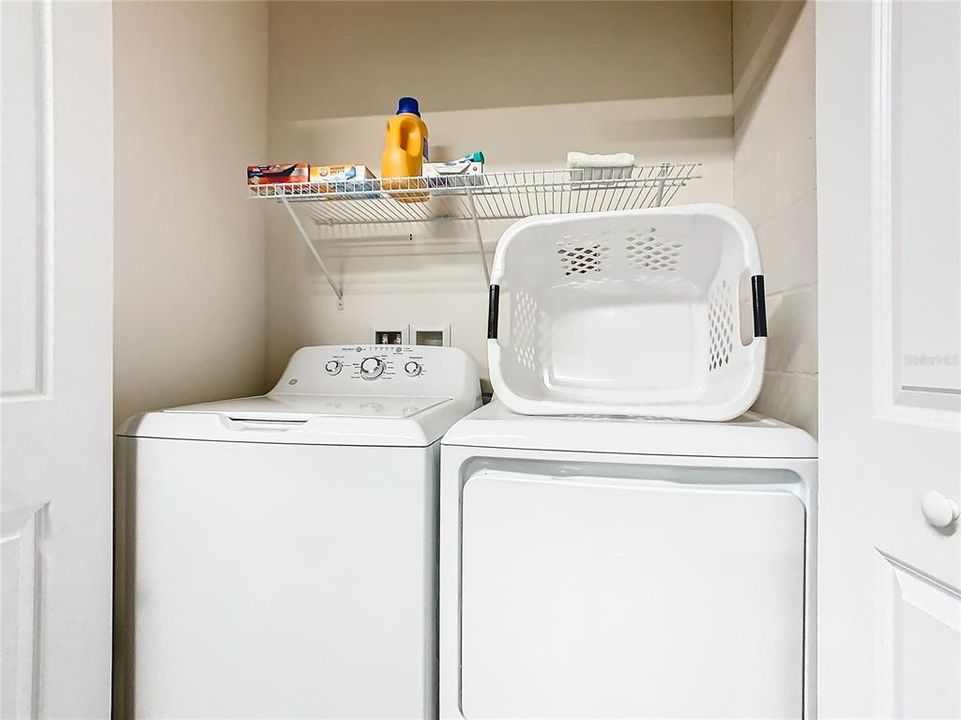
x: 383, y: 363
x: 371, y: 373
x: 383, y: 369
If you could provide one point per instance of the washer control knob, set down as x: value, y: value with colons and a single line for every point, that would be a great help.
x: 371, y: 368
x: 413, y: 368
x: 333, y: 367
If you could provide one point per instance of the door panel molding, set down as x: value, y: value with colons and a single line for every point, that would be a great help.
x: 21, y: 546
x: 28, y: 203
x: 925, y: 404
x: 915, y: 603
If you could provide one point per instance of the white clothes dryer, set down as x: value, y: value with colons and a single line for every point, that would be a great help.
x: 277, y: 554
x: 625, y: 567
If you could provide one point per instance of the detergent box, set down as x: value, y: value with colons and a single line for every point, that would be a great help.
x: 342, y: 178
x: 273, y: 174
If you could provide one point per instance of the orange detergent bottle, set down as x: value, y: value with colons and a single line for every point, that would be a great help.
x: 405, y: 152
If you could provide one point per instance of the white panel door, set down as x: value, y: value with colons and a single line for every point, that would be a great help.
x: 55, y: 397
x: 889, y: 163
x: 590, y: 597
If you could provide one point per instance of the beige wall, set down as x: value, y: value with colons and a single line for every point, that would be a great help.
x: 190, y: 112
x: 192, y: 84
x: 524, y: 82
x: 774, y: 186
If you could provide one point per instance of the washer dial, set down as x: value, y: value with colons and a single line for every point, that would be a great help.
x: 413, y: 368
x: 371, y: 368
x: 333, y: 367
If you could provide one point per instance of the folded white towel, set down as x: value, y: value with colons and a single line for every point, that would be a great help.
x: 584, y: 160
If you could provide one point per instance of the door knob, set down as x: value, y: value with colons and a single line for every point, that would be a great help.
x: 938, y: 510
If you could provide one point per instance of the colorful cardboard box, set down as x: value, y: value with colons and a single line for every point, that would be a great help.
x: 274, y: 174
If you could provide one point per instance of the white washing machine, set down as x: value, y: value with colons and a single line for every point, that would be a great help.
x: 628, y: 568
x: 281, y: 550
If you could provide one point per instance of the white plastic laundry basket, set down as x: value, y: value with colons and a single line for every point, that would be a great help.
x: 628, y: 313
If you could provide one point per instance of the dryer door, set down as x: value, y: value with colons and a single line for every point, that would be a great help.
x: 616, y: 597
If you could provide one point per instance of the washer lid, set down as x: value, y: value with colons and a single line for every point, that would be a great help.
x: 290, y: 407
x: 749, y: 436
x: 369, y: 420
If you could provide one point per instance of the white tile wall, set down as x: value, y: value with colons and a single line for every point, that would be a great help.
x: 774, y: 186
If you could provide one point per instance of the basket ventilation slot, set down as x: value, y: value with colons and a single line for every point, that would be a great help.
x: 579, y: 257
x: 523, y: 322
x: 648, y: 253
x: 721, y: 319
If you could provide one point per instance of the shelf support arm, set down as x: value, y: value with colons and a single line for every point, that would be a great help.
x: 665, y: 167
x: 477, y: 236
x: 313, y: 251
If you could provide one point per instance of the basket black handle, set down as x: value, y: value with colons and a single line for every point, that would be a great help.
x: 757, y: 297
x: 760, y: 309
x: 493, y: 311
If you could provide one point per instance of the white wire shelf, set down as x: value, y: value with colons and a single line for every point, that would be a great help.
x: 502, y: 195
x: 488, y: 196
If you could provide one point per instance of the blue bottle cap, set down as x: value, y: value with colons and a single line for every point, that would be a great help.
x: 408, y: 105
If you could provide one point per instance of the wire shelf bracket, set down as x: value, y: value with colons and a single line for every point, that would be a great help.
x: 501, y: 195
x: 338, y: 290
x: 477, y: 236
